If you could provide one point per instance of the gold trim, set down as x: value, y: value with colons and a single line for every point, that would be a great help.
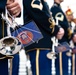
x: 61, y: 18
x: 37, y: 62
x: 36, y: 49
x: 60, y: 60
x: 52, y: 22
x: 2, y: 36
x: 69, y: 33
x: 9, y: 56
x: 10, y: 72
x: 73, y: 64
x: 2, y: 57
x: 38, y: 6
x: 6, y: 57
x: 2, y: 28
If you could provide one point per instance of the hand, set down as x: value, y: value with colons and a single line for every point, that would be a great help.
x: 9, y: 1
x: 74, y: 38
x: 60, y: 33
x: 13, y: 7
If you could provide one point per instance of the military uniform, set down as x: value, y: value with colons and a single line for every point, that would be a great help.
x: 3, y: 58
x: 72, y: 24
x: 59, y: 16
x: 38, y: 11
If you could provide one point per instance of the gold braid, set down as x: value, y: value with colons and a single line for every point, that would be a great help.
x: 69, y: 33
x: 52, y: 22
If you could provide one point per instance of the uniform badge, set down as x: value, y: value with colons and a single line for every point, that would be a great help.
x: 59, y: 16
x: 36, y: 4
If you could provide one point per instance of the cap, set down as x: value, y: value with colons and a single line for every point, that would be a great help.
x: 69, y: 12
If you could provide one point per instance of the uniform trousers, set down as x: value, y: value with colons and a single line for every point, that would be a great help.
x: 41, y: 65
x: 4, y: 66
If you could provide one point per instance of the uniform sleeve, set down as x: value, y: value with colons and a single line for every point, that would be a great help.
x: 2, y: 5
x: 60, y: 17
x: 38, y: 12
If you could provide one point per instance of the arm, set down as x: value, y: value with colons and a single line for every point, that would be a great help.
x: 37, y: 10
x: 58, y: 13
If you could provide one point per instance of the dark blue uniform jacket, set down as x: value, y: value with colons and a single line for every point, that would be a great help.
x: 38, y: 11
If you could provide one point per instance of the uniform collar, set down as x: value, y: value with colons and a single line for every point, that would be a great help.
x: 56, y: 4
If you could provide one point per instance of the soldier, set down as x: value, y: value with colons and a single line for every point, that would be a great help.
x: 72, y: 24
x: 38, y: 11
x: 13, y: 6
x: 61, y: 19
x: 70, y: 18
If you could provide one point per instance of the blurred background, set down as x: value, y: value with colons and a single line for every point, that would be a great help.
x: 65, y: 4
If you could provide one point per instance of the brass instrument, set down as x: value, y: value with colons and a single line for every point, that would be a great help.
x: 9, y: 45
